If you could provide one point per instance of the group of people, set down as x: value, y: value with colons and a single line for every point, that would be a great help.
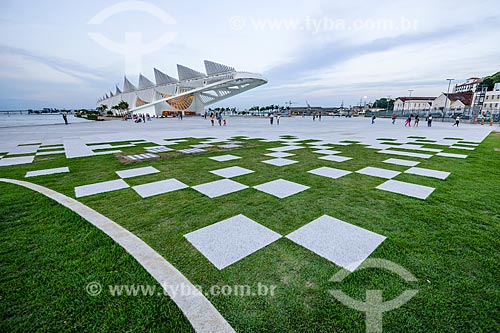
x: 409, y: 119
x: 140, y: 118
x: 217, y: 116
x: 272, y: 116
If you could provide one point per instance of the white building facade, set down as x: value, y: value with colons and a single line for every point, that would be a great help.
x: 413, y: 104
x: 454, y: 103
x: 491, y: 102
x: 470, y: 84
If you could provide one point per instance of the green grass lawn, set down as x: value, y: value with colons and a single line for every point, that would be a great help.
x: 449, y: 242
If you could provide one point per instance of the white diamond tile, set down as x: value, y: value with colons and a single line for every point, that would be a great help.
x: 378, y: 172
x: 230, y: 172
x: 329, y: 172
x: 159, y: 187
x: 342, y: 243
x: 137, y: 172
x: 408, y: 189
x: 229, y: 241
x: 281, y: 188
x: 219, y: 187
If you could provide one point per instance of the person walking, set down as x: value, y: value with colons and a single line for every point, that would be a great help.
x: 271, y: 118
x: 393, y: 118
x: 212, y: 118
x: 278, y: 119
x: 319, y: 116
x: 408, y: 121
x: 65, y: 117
x: 429, y: 121
x: 417, y: 119
x: 219, y: 118
x: 373, y: 119
x: 457, y: 121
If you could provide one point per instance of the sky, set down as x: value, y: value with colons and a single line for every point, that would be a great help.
x: 66, y: 54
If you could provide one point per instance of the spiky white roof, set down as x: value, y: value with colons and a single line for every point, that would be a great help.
x: 144, y: 82
x: 127, y: 86
x: 162, y: 78
x: 186, y: 73
x: 216, y: 68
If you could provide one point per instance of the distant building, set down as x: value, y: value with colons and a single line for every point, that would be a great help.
x: 455, y: 102
x: 469, y: 85
x: 413, y: 104
x: 492, y: 100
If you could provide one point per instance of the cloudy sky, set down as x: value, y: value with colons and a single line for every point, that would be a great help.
x: 57, y: 53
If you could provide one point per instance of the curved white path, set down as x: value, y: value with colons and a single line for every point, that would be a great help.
x: 202, y: 315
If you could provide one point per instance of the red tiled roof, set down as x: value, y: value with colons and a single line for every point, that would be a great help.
x: 472, y: 80
x: 464, y: 97
x: 404, y: 99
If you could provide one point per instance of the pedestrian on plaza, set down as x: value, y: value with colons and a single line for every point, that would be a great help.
x: 408, y: 121
x: 429, y: 121
x: 65, y: 117
x: 278, y: 116
x: 417, y: 119
x: 314, y: 116
x: 373, y: 119
x: 271, y: 118
x: 219, y: 118
x: 319, y: 116
x: 393, y: 118
x: 212, y: 118
x: 457, y: 121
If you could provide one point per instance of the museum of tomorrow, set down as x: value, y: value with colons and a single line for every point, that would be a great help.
x: 189, y: 94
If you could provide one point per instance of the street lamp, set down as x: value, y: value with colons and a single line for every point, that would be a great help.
x: 388, y: 99
x: 409, y: 102
x: 446, y: 100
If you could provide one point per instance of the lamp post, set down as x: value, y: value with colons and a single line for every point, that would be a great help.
x: 388, y: 99
x: 446, y: 100
x: 409, y: 102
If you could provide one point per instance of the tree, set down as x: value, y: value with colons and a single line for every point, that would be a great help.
x: 490, y: 81
x: 102, y: 108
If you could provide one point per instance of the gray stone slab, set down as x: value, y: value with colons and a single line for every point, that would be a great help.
x: 451, y: 155
x: 279, y: 154
x: 46, y: 172
x: 230, y: 172
x: 428, y: 173
x: 159, y: 149
x: 192, y: 150
x: 327, y: 152
x: 329, y: 172
x: 75, y: 147
x: 159, y: 187
x: 342, y: 243
x: 335, y: 158
x: 108, y: 186
x: 107, y: 152
x: 229, y: 146
x: 398, y: 161
x: 219, y: 187
x: 281, y: 188
x: 44, y: 153
x: 16, y: 160
x: 285, y: 148
x: 320, y: 147
x: 224, y: 158
x: 378, y: 172
x: 227, y: 242
x: 137, y: 172
x: 21, y: 150
x: 61, y: 148
x: 463, y: 148
x: 408, y: 189
x: 280, y: 161
x: 404, y: 153
x: 101, y: 146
